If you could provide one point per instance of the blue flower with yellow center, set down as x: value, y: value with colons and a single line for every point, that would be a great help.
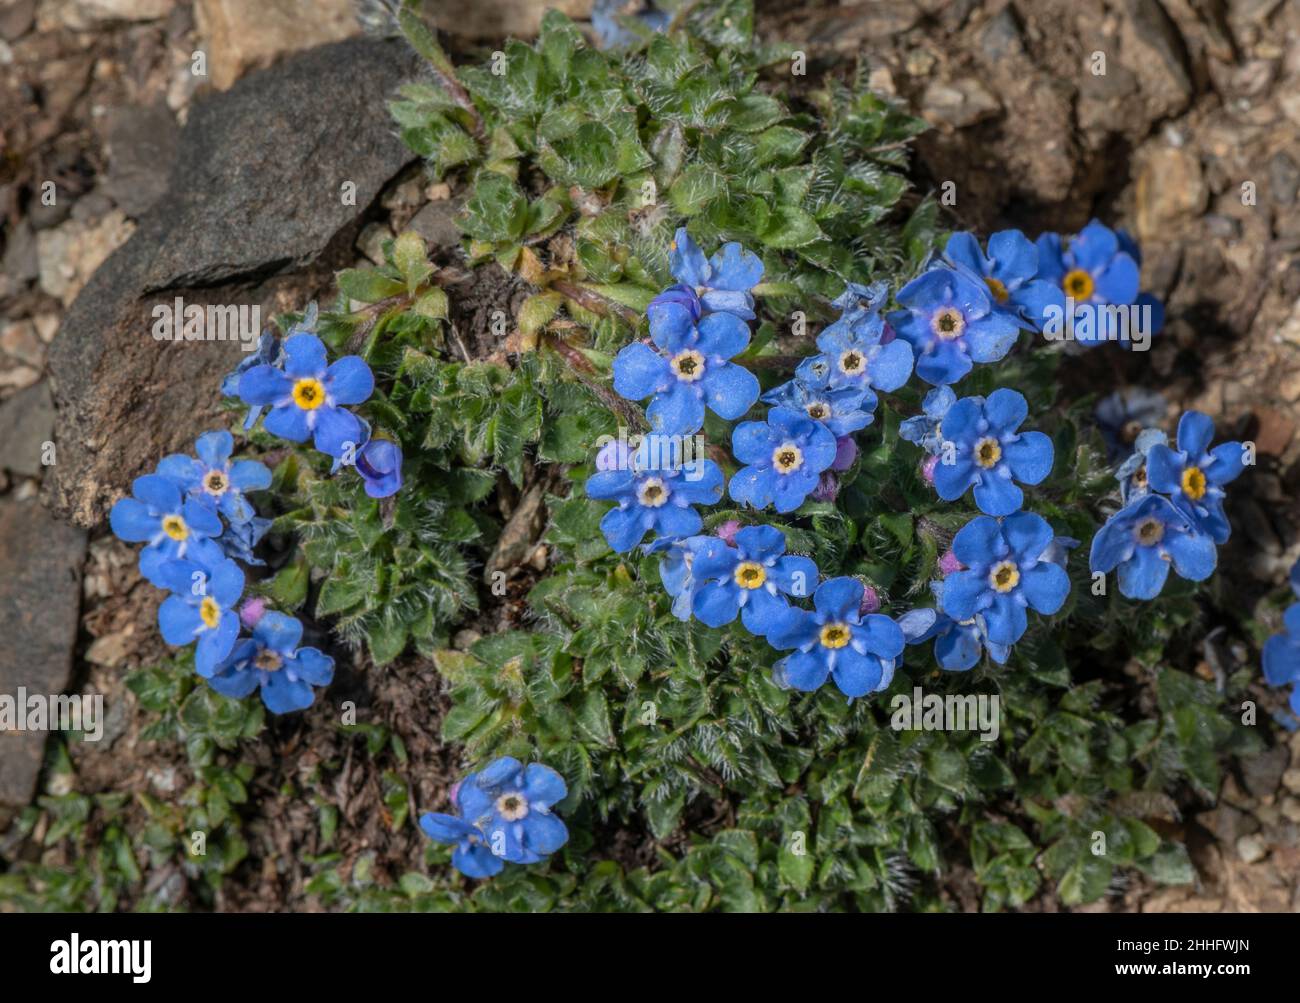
x: 213, y: 479
x: 305, y: 398
x: 272, y: 660
x: 270, y: 352
x: 653, y: 498
x: 785, y: 457
x: 749, y: 579
x: 983, y: 449
x: 1008, y: 567
x: 1145, y: 539
x: 202, y: 608
x: 948, y: 318
x: 843, y: 411
x: 1009, y: 269
x: 1193, y: 476
x: 723, y: 282
x: 171, y: 525
x: 835, y: 640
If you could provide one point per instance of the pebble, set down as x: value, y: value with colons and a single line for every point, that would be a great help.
x: 1252, y: 849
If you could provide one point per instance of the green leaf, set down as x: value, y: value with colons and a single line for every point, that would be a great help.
x: 790, y: 227
x: 368, y: 285
x: 695, y: 188
x: 497, y: 211
x: 411, y: 257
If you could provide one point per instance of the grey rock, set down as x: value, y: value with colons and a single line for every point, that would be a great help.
x: 1283, y: 178
x: 141, y: 150
x: 1157, y: 53
x: 1252, y: 849
x: 27, y: 420
x: 16, y: 18
x: 40, y: 591
x: 21, y: 262
x: 253, y: 214
x: 1001, y: 39
x: 436, y: 223
x: 1263, y: 773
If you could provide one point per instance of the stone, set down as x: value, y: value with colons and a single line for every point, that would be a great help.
x: 1169, y: 190
x: 253, y: 214
x: 1154, y: 49
x: 371, y: 241
x: 1251, y: 849
x: 959, y: 104
x: 69, y: 253
x: 1274, y: 432
x: 84, y: 15
x: 1262, y: 773
x: 1291, y: 780
x: 20, y: 342
x: 239, y: 35
x: 436, y: 223
x: 1283, y: 179
x: 141, y: 144
x: 16, y: 19
x: 28, y: 422
x: 18, y: 377
x: 40, y: 590
x: 21, y: 262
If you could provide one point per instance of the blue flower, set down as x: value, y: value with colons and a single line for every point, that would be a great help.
x: 305, y: 398
x: 380, y: 466
x: 924, y: 429
x: 213, y: 479
x: 1143, y: 540
x: 269, y: 353
x: 853, y: 360
x: 1193, y: 475
x: 785, y: 455
x: 1123, y: 415
x: 835, y: 640
x: 1282, y: 651
x: 1005, y: 572
x: 652, y: 498
x: 689, y: 371
x: 675, y: 569
x: 171, y: 527
x: 272, y: 660
x: 983, y: 449
x: 1099, y: 267
x: 842, y: 410
x: 957, y: 645
x: 723, y: 282
x: 951, y: 324
x: 239, y: 539
x: 202, y: 608
x: 1132, y: 473
x: 1009, y: 270
x: 607, y: 18
x: 506, y: 813
x: 748, y: 579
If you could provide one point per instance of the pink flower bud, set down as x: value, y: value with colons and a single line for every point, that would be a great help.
x: 927, y: 468
x: 727, y: 532
x: 455, y: 789
x: 948, y: 563
x: 870, y: 601
x: 887, y: 335
x: 251, y: 612
x: 846, y: 451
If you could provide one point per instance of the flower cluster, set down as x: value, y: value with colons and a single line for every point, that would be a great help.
x: 1173, y: 508
x: 504, y: 813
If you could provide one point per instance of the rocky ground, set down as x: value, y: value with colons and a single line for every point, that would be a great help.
x: 1190, y: 138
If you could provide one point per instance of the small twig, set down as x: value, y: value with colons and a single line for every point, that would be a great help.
x: 584, y: 370
x: 594, y: 302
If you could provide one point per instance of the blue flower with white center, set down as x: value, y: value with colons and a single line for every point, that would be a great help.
x: 172, y: 526
x: 1123, y: 415
x: 749, y: 579
x: 271, y: 659
x: 239, y: 539
x: 983, y: 449
x: 202, y: 608
x: 1193, y: 476
x: 785, y: 457
x: 213, y: 479
x: 269, y: 352
x: 843, y: 411
x: 949, y: 320
x: 689, y: 370
x: 957, y: 645
x: 1143, y: 540
x: 510, y: 806
x: 1005, y: 572
x: 925, y: 428
x: 1282, y: 651
x: 853, y: 362
x: 836, y: 640
x: 305, y: 398
x: 1008, y: 269
x: 1098, y: 268
x: 654, y: 499
x: 1132, y: 473
x: 723, y: 282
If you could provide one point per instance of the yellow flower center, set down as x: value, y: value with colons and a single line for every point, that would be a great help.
x: 308, y: 394
x: 1005, y: 576
x: 987, y: 452
x: 215, y: 482
x: 1078, y: 284
x: 948, y: 323
x: 787, y: 458
x: 997, y: 288
x: 688, y: 365
x: 268, y: 661
x: 1194, y: 483
x: 818, y: 411
x: 512, y: 807
x: 174, y: 526
x: 851, y: 362
x: 835, y: 635
x: 1149, y: 532
x: 210, y: 612
x: 652, y: 493
x: 750, y: 575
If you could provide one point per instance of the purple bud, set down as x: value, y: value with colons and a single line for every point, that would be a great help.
x: 828, y: 486
x: 846, y: 451
x: 870, y: 601
x: 948, y: 563
x: 927, y: 468
x: 251, y: 612
x: 455, y: 790
x: 887, y: 335
x: 727, y: 532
